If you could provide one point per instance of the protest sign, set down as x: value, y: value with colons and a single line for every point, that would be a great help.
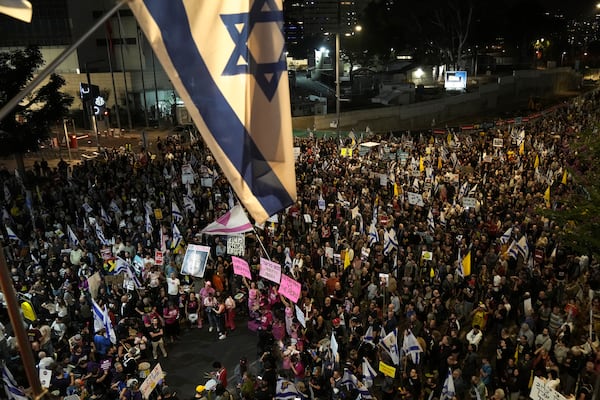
x: 187, y: 174
x: 270, y: 270
x: 155, y: 377
x: 158, y: 257
x: 241, y: 267
x: 236, y: 245
x: 194, y: 261
x: 300, y: 316
x: 290, y: 288
x: 469, y: 202
x: 387, y: 370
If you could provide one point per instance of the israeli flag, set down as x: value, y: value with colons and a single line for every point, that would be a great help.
x: 369, y: 373
x: 105, y: 217
x: 100, y: 236
x: 177, y: 237
x: 73, y: 240
x: 506, y: 236
x: 523, y: 247
x: 390, y: 344
x: 448, y: 390
x: 12, y: 235
x: 390, y: 242
x: 114, y: 207
x: 226, y: 59
x: 286, y: 390
x: 373, y: 235
x: 176, y: 213
x: 369, y: 335
x: 430, y: 221
x: 102, y: 320
x: 411, y: 347
x: 13, y: 391
x: 149, y: 227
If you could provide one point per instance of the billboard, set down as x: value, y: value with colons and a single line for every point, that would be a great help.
x: 456, y: 80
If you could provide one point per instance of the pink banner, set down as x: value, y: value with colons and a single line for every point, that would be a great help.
x: 241, y: 267
x: 290, y: 288
x: 270, y: 270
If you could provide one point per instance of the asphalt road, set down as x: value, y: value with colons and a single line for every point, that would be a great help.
x: 191, y: 357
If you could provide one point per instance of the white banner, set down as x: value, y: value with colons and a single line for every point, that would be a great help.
x: 469, y: 202
x: 415, y: 199
x: 270, y: 270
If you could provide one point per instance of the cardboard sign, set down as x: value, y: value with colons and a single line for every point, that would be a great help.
x: 289, y: 288
x: 241, y: 267
x: 539, y: 391
x: 270, y: 270
x: 158, y: 257
x: 194, y: 261
x: 158, y: 213
x: 415, y: 199
x: 236, y: 245
x: 300, y: 316
x: 498, y: 142
x: 155, y: 377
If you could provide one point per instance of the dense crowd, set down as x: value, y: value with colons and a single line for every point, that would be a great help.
x: 438, y: 236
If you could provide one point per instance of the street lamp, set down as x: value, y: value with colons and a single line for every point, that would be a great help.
x: 357, y: 28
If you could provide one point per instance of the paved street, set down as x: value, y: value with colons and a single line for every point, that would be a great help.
x: 189, y: 359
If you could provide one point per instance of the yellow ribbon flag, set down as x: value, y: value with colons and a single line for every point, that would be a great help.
x: 564, y: 178
x: 537, y: 161
x: 547, y: 197
x: 466, y: 264
x: 440, y: 162
x: 421, y: 164
x: 396, y: 190
x: 522, y: 148
x: 449, y: 138
x: 431, y: 273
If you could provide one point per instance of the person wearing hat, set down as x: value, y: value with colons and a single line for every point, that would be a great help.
x: 200, y: 392
x: 132, y: 391
x: 101, y: 343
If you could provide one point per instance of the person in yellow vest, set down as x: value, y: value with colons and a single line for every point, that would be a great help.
x: 480, y: 316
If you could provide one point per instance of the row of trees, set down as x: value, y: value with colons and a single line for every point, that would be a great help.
x: 28, y: 124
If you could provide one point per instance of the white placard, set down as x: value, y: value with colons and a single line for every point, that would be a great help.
x: 383, y: 179
x: 45, y: 377
x: 296, y: 153
x: 415, y: 199
x: 498, y: 142
x: 300, y: 316
x: 539, y: 391
x: 187, y: 174
x: 236, y: 245
x: 469, y: 202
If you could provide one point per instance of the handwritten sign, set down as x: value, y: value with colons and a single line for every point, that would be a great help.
x: 387, y: 370
x: 469, y: 202
x: 270, y: 270
x: 415, y: 199
x: 241, y: 267
x: 158, y: 257
x: 158, y: 213
x: 236, y: 245
x: 155, y: 377
x: 498, y: 142
x: 539, y: 391
x: 187, y: 174
x: 289, y: 288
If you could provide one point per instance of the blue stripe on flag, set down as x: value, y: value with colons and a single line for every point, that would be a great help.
x: 226, y: 128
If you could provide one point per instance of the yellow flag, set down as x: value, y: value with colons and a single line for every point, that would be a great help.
x: 431, y: 273
x: 564, y: 178
x: 346, y: 259
x: 421, y: 165
x: 537, y: 161
x: 466, y: 264
x: 396, y: 190
x: 547, y: 197
x: 449, y: 138
x: 440, y: 162
x: 522, y: 148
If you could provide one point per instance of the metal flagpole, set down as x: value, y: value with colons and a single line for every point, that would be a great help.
x: 57, y: 61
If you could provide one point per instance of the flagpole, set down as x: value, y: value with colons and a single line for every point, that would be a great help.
x: 12, y: 103
x: 16, y: 320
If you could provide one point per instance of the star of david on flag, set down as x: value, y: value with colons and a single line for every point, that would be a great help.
x: 226, y: 60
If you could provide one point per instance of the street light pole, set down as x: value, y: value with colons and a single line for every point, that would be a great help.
x: 337, y: 81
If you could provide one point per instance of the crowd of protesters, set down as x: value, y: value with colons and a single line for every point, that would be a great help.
x: 522, y: 311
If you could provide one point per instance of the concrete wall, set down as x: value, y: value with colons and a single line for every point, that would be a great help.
x: 505, y: 92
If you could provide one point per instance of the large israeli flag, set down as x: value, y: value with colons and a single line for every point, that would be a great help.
x: 226, y: 59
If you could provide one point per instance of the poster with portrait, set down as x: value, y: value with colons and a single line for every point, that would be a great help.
x: 195, y: 259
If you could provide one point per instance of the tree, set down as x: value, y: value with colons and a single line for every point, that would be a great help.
x: 577, y: 210
x: 29, y: 122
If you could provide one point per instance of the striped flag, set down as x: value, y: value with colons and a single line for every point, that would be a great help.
x: 513, y: 251
x: 176, y: 213
x: 102, y: 320
x: 369, y: 373
x: 390, y: 241
x: 448, y: 390
x: 523, y: 247
x: 233, y: 222
x: 100, y: 236
x: 430, y: 221
x: 149, y: 227
x: 363, y: 393
x: 232, y: 78
x: 373, y: 234
x: 19, y: 9
x: 390, y: 344
x: 188, y: 203
x: 368, y: 335
x: 411, y: 347
x: 73, y: 240
x: 13, y: 391
x: 114, y: 207
x: 349, y: 380
x: 11, y: 234
x: 506, y: 236
x: 122, y: 266
x: 104, y: 216
x: 177, y: 237
x: 286, y: 390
